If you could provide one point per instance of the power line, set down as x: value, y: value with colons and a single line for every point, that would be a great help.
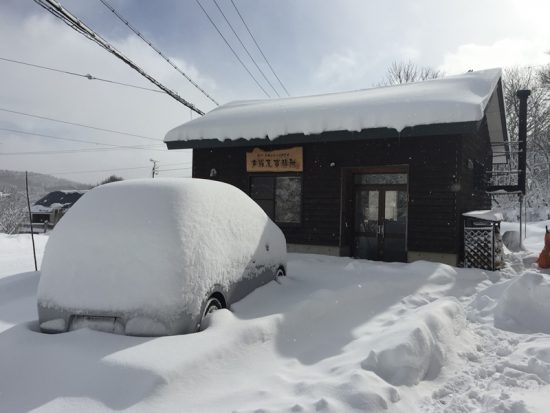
x: 244, y: 47
x: 174, y: 169
x: 177, y: 176
x: 67, y: 139
x: 107, y: 145
x: 106, y: 170
x: 178, y: 163
x: 231, y: 48
x: 259, y: 48
x: 87, y: 76
x: 138, y: 33
x: 72, y: 151
x: 78, y: 124
x: 74, y: 23
x: 98, y: 170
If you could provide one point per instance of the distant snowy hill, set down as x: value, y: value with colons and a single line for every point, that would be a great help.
x: 12, y: 194
x: 39, y: 184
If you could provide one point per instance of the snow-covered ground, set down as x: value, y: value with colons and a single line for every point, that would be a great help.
x: 335, y: 335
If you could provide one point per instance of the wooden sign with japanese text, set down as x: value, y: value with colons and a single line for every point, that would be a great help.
x: 279, y: 160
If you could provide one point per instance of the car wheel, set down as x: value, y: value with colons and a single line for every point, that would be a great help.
x: 280, y: 272
x: 213, y: 304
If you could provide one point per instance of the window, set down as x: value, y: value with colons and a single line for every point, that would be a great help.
x: 279, y: 196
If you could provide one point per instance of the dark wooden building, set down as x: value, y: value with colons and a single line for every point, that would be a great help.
x: 383, y: 173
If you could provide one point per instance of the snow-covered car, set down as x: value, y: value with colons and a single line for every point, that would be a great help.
x: 155, y: 257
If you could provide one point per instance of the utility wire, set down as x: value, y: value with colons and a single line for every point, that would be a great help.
x: 176, y: 164
x: 72, y: 151
x: 67, y: 139
x: 162, y: 165
x: 231, y: 48
x: 138, y: 33
x: 244, y: 47
x: 104, y: 170
x: 185, y: 175
x: 174, y: 169
x: 98, y: 170
x: 107, y: 146
x: 87, y: 76
x: 258, y: 46
x: 79, y: 124
x: 73, y: 22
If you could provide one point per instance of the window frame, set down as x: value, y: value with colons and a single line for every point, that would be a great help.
x: 274, y: 176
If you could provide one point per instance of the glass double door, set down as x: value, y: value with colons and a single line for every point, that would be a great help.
x: 380, y: 222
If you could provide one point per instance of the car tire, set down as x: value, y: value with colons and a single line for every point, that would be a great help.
x: 280, y: 272
x: 212, y: 305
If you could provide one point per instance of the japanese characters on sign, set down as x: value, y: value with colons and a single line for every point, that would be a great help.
x: 280, y: 160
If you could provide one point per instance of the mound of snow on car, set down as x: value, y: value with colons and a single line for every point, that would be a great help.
x: 153, y: 250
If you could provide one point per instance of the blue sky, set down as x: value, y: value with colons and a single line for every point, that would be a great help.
x: 315, y: 47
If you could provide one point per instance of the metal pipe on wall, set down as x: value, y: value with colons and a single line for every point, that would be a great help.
x: 522, y: 139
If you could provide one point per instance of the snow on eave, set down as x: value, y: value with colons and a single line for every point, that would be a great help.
x: 486, y: 215
x: 73, y: 191
x: 39, y: 209
x: 453, y: 99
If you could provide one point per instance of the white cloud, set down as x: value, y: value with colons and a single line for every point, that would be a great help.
x: 345, y: 70
x: 337, y: 68
x: 42, y: 40
x: 354, y: 68
x: 502, y: 53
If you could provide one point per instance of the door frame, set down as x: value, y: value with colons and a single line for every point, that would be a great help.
x: 347, y: 201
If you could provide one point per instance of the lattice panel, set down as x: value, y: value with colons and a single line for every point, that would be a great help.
x: 478, y: 248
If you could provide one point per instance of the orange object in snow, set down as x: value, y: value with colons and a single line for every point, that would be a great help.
x: 544, y: 257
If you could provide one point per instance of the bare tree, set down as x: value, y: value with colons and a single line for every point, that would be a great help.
x: 538, y: 132
x: 406, y: 72
x: 545, y: 74
x: 112, y: 178
x: 13, y: 211
x: 538, y: 123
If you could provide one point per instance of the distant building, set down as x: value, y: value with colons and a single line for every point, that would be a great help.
x: 382, y: 173
x: 50, y: 208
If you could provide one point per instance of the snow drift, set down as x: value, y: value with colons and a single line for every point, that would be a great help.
x: 417, y: 349
x: 299, y: 345
x: 525, y: 304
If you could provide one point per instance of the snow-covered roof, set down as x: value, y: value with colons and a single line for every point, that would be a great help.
x: 73, y: 191
x: 487, y: 215
x: 453, y: 99
x: 59, y: 199
x: 40, y: 209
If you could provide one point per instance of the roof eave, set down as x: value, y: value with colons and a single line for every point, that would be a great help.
x: 332, y: 136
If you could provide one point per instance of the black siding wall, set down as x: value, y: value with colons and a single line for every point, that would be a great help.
x: 438, y: 184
